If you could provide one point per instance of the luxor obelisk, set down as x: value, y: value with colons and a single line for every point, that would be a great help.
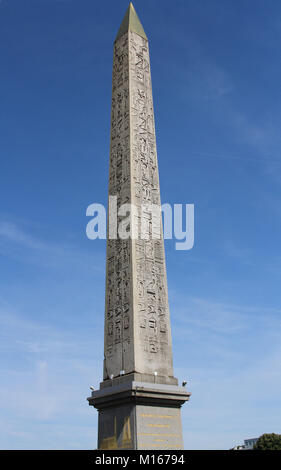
x: 139, y: 399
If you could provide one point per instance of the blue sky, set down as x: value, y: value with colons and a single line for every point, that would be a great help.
x: 216, y: 77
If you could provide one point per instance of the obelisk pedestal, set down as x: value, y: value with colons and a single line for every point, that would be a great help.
x: 139, y: 399
x: 139, y: 415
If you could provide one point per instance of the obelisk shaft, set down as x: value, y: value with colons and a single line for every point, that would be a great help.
x: 137, y: 324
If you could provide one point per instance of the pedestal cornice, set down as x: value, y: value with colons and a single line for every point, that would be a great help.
x: 144, y: 393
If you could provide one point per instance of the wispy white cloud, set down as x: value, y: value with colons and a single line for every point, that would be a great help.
x: 223, y: 317
x: 198, y: 77
x: 206, y: 80
x: 232, y: 403
x: 230, y: 355
x: 19, y: 244
x: 15, y: 234
x: 234, y: 250
x: 46, y: 371
x: 47, y: 365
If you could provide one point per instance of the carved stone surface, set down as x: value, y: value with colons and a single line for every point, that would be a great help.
x: 137, y: 324
x: 139, y: 399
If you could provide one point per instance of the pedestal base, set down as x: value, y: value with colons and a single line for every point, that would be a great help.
x: 139, y: 415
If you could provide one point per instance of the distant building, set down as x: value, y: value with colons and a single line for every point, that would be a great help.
x: 248, y: 444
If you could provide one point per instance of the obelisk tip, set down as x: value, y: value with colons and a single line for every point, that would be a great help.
x: 131, y: 22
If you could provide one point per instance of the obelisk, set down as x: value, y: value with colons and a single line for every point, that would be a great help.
x: 139, y: 399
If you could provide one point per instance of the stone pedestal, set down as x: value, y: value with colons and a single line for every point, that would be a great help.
x: 139, y: 415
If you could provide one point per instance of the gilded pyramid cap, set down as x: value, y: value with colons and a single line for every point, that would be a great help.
x: 131, y: 22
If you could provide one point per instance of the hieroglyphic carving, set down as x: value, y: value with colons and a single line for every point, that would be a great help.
x: 150, y: 270
x: 118, y: 329
x: 136, y: 286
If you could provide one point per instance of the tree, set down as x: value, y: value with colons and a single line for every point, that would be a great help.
x: 268, y: 442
